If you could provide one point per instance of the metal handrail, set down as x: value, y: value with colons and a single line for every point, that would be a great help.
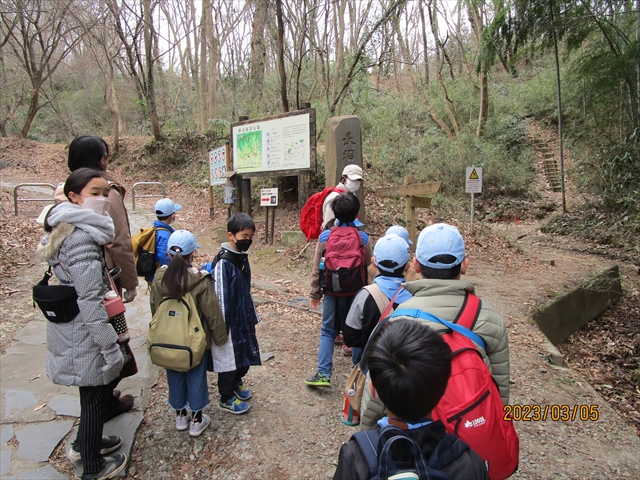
x: 16, y: 199
x: 133, y: 192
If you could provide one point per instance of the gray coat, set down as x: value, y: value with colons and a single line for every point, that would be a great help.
x: 74, y: 250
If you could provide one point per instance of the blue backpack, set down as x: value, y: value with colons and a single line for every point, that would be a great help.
x: 376, y: 444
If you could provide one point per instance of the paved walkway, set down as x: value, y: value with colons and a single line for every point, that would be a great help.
x: 38, y: 414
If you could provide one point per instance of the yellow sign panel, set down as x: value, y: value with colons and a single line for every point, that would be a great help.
x: 474, y: 175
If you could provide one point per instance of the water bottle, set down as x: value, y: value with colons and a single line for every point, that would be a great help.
x: 321, y: 272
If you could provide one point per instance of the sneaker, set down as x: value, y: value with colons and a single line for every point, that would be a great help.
x: 242, y: 393
x: 339, y: 339
x: 107, y: 445
x: 318, y: 380
x: 112, y: 467
x: 235, y: 406
x: 196, y: 428
x: 182, y: 422
x: 347, y: 351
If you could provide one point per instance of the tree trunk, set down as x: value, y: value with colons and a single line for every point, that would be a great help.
x: 112, y: 104
x: 339, y: 30
x: 151, y: 96
x: 31, y: 112
x: 203, y: 105
x: 258, y: 49
x: 281, y: 71
x: 425, y: 44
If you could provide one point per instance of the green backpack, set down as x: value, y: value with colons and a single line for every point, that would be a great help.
x: 176, y: 338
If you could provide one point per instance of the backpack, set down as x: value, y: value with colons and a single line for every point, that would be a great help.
x: 176, y: 338
x: 344, y: 262
x: 471, y: 407
x: 376, y: 444
x: 311, y: 213
x: 226, y: 255
x: 144, y: 250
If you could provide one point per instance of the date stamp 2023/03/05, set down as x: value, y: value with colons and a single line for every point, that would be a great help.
x: 541, y: 413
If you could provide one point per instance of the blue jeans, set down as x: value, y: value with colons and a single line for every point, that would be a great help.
x: 356, y: 356
x: 189, y: 389
x: 333, y: 308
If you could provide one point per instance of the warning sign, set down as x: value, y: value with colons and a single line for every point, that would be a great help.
x: 473, y: 182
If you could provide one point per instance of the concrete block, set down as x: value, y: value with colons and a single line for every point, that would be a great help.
x: 221, y: 235
x: 34, y: 333
x: 293, y: 238
x: 6, y: 434
x: 5, y: 461
x: 67, y: 405
x: 584, y: 303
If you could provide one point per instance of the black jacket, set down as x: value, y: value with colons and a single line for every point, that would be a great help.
x: 352, y: 464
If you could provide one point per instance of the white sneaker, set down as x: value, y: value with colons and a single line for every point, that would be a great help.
x: 196, y: 429
x: 182, y: 422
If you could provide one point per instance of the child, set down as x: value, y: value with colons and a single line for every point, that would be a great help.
x: 409, y: 364
x: 166, y: 214
x: 390, y: 258
x: 334, y: 307
x: 401, y: 232
x: 189, y: 389
x: 232, y: 280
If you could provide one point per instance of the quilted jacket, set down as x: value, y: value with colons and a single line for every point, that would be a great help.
x: 74, y: 250
x: 444, y: 298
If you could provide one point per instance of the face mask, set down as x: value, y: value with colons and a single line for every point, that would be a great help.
x: 352, y: 185
x: 243, y: 245
x: 97, y: 204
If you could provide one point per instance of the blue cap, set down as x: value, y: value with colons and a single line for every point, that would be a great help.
x: 166, y: 207
x: 401, y: 232
x: 391, y: 247
x: 440, y: 239
x: 182, y: 241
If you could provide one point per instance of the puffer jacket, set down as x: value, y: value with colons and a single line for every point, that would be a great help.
x: 118, y: 252
x: 204, y: 296
x: 444, y: 298
x: 74, y: 250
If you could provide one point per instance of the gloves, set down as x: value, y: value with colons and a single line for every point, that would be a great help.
x: 129, y: 295
x: 112, y: 357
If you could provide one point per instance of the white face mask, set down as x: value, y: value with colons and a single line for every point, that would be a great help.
x: 97, y: 204
x: 352, y: 185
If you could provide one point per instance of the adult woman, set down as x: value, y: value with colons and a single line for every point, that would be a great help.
x: 84, y: 352
x: 90, y: 151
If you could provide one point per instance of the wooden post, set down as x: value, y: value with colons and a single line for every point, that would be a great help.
x: 273, y: 220
x: 266, y: 224
x: 236, y: 206
x: 410, y: 215
x: 246, y: 196
x: 304, y: 188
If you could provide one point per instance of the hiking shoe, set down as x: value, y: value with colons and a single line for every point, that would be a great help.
x: 318, y: 380
x: 242, y: 393
x: 107, y: 445
x: 339, y: 339
x: 182, y: 422
x: 196, y: 428
x: 112, y: 467
x: 347, y: 351
x: 235, y: 406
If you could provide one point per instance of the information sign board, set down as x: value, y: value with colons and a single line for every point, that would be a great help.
x: 473, y: 180
x: 268, y: 197
x: 217, y: 166
x: 269, y: 145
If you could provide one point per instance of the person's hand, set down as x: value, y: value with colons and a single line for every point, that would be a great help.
x: 315, y: 303
x: 112, y: 357
x: 129, y: 295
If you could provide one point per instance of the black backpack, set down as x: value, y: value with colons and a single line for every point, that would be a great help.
x: 376, y: 444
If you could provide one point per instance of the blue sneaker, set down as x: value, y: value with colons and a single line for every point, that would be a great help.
x: 242, y: 393
x: 235, y: 406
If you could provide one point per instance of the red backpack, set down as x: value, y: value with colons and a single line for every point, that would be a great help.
x: 471, y: 407
x: 344, y: 259
x: 311, y: 213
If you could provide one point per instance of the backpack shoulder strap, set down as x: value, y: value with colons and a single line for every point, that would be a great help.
x: 417, y: 313
x: 448, y: 450
x: 368, y: 442
x: 227, y: 255
x: 380, y: 298
x: 469, y: 312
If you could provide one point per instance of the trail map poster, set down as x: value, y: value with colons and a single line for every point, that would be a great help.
x: 278, y: 144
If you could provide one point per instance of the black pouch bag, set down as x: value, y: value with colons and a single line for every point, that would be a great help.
x: 58, y: 303
x: 146, y: 264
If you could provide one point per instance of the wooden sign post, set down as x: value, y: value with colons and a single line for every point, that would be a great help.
x: 410, y: 192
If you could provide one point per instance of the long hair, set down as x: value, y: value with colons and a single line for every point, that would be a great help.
x: 176, y: 278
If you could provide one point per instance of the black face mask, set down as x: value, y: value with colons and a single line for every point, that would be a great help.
x: 243, y: 245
